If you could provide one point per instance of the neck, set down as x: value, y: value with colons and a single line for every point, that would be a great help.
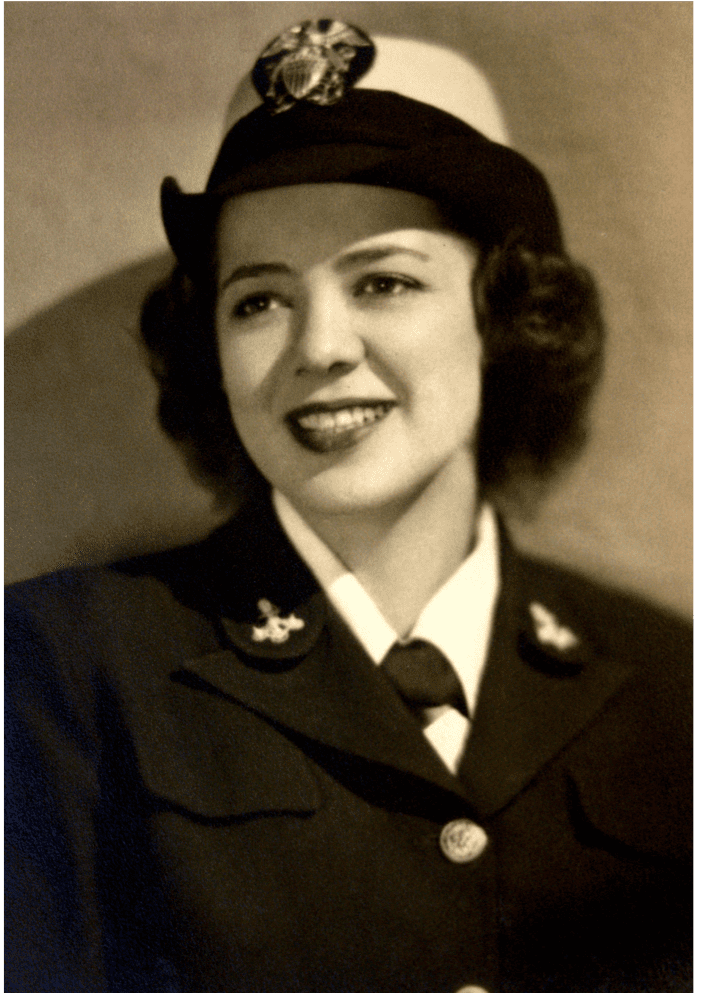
x: 403, y: 554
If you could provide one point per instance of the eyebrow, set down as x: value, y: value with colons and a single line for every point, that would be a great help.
x: 365, y: 256
x: 251, y: 271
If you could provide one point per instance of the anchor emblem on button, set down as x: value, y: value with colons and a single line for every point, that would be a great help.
x: 462, y: 840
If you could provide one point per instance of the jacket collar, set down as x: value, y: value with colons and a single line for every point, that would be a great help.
x: 298, y: 666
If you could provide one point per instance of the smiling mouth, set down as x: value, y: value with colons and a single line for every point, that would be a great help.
x: 334, y: 427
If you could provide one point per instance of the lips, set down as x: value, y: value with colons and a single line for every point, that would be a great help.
x: 330, y: 427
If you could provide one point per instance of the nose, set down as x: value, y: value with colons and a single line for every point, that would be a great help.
x: 327, y: 338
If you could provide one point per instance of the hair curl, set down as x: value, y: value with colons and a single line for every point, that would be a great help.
x: 543, y: 335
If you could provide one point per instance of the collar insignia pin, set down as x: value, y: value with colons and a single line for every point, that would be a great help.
x: 317, y: 61
x: 276, y: 628
x: 549, y: 631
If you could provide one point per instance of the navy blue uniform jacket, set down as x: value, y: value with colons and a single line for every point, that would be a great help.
x: 194, y: 810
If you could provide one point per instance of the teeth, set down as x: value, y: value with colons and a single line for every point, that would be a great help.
x: 342, y: 420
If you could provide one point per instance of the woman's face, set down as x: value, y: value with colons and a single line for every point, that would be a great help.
x: 347, y: 339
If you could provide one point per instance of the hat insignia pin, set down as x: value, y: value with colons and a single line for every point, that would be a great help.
x: 550, y: 631
x: 316, y: 61
x: 275, y: 628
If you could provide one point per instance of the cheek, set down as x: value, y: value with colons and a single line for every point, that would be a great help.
x: 248, y: 363
x: 465, y: 342
x: 450, y: 351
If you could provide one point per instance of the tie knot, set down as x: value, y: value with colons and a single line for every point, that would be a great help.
x: 424, y: 677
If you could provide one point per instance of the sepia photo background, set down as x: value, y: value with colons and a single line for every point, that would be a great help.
x: 105, y: 99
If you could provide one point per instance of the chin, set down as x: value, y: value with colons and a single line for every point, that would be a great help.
x: 355, y: 494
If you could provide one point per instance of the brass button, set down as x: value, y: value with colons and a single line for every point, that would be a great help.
x: 462, y: 841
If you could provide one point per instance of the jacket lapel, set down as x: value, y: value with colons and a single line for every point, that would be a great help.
x: 288, y: 657
x: 333, y: 697
x: 543, y: 682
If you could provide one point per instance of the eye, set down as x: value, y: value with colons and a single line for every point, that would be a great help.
x: 385, y: 285
x: 256, y: 303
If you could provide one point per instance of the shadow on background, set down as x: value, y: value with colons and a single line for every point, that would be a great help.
x: 89, y: 474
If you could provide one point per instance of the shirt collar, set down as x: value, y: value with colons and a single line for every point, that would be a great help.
x: 457, y: 619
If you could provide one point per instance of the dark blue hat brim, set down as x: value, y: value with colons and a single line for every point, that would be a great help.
x: 488, y: 191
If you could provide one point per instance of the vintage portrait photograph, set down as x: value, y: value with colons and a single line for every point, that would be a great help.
x: 348, y: 459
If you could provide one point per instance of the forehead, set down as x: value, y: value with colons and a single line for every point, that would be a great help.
x: 317, y: 221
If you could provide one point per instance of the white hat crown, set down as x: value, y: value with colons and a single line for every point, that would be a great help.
x: 419, y: 70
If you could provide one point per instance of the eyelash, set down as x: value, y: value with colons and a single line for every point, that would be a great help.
x: 261, y: 303
x: 372, y: 285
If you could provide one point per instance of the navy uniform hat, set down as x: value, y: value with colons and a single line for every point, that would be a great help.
x: 324, y: 103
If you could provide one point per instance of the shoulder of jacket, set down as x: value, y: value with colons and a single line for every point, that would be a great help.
x: 94, y: 615
x: 80, y: 583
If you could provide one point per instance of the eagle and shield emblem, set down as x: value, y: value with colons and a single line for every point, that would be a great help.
x: 316, y: 61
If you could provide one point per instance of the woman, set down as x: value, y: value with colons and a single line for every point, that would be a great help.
x: 353, y: 741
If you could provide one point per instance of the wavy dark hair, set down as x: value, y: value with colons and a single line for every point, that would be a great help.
x: 540, y: 320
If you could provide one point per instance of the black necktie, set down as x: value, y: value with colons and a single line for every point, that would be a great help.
x: 424, y: 677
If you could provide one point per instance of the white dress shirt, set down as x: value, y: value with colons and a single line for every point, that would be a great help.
x: 457, y: 619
